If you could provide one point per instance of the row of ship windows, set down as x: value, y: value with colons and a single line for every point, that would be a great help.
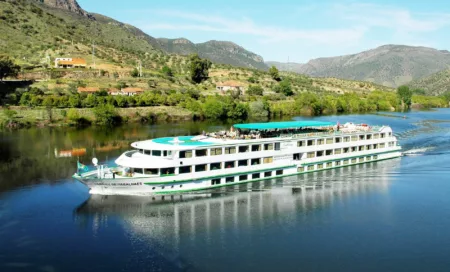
x: 203, y: 167
x: 260, y: 147
x: 345, y: 150
x: 256, y: 161
x: 267, y: 174
x: 336, y: 163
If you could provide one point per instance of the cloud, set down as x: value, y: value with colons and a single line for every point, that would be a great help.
x: 398, y: 19
x: 246, y: 26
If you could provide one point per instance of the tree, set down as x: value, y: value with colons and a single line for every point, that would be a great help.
x: 284, y: 87
x: 405, y: 96
x: 198, y: 68
x: 134, y: 72
x: 7, y: 67
x: 273, y: 71
x: 106, y: 114
x: 255, y: 90
x: 167, y: 71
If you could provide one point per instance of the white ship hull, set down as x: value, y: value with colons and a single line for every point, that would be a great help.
x: 182, y: 184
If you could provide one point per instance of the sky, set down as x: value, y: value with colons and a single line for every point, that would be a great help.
x: 282, y: 30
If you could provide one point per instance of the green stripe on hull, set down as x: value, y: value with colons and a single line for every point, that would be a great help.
x: 273, y: 177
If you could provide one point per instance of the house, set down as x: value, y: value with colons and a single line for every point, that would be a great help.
x: 230, y: 85
x: 129, y: 91
x: 70, y: 63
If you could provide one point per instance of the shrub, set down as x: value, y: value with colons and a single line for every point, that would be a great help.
x: 106, y: 114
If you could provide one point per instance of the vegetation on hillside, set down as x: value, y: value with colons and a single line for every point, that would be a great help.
x: 435, y: 84
x: 7, y: 67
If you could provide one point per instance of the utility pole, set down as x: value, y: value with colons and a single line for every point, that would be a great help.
x: 93, y: 53
x: 140, y: 68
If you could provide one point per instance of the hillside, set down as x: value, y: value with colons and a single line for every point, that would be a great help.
x: 435, y: 84
x: 390, y: 65
x: 283, y: 66
x: 217, y: 51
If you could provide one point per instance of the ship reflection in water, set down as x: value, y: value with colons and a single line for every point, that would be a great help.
x: 184, y: 224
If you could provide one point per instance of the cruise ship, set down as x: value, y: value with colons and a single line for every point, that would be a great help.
x: 246, y: 153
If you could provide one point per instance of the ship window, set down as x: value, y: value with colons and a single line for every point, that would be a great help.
x: 310, y: 142
x: 151, y: 171
x: 168, y: 171
x: 215, y: 166
x: 369, y: 136
x: 329, y: 164
x: 256, y: 148
x: 354, y: 148
x: 141, y: 151
x: 337, y: 140
x: 138, y: 170
x: 268, y: 174
x: 268, y: 146
x: 268, y: 160
x: 346, y: 149
x: 300, y: 143
x: 215, y: 181
x: 279, y: 172
x: 186, y: 154
x: 375, y: 157
x: 375, y: 146
x: 156, y: 153
x: 230, y: 164
x: 320, y: 141
x: 320, y: 166
x: 368, y: 158
x: 383, y: 145
x: 361, y: 159
x: 243, y: 163
x: 216, y: 151
x: 277, y: 146
x: 296, y: 156
x: 362, y: 137
x: 354, y: 138
x: 200, y: 168
x: 353, y: 160
x: 361, y: 148
x: 390, y: 134
x: 319, y: 153
x: 368, y: 147
x: 243, y: 177
x: 255, y: 161
x: 345, y: 162
x: 243, y: 149
x: 329, y: 140
x: 300, y: 169
x: 256, y: 176
x: 147, y: 152
x: 230, y: 150
x: 337, y: 151
x: 185, y: 169
x: 337, y: 163
x: 346, y: 139
x: 311, y: 155
x: 229, y: 179
x: 382, y: 135
x: 311, y: 167
x: 329, y: 152
x: 376, y: 136
x: 201, y: 152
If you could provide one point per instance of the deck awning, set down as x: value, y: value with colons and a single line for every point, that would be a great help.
x: 283, y: 125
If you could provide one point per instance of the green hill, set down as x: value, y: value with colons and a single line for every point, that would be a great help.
x: 435, y: 84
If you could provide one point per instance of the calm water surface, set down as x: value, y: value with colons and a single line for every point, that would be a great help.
x: 387, y: 216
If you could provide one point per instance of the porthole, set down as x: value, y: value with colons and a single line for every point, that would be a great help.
x: 181, y: 186
x: 162, y: 187
x: 153, y: 188
x: 171, y: 187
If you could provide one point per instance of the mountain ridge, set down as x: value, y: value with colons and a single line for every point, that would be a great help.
x: 391, y: 65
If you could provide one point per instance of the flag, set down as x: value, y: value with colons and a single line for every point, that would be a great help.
x: 81, y: 166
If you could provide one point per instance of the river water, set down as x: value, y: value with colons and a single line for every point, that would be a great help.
x: 386, y: 216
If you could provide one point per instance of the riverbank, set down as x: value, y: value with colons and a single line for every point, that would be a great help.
x: 24, y: 117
